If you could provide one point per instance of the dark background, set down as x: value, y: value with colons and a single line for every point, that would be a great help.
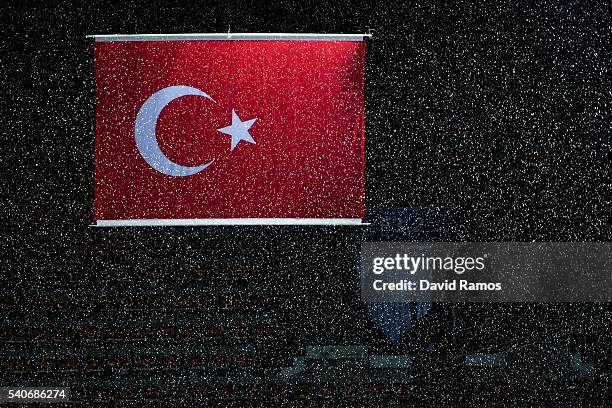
x: 496, y: 113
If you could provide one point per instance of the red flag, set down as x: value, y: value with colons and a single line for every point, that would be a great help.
x: 229, y: 130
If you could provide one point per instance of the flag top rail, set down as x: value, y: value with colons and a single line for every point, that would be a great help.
x: 229, y: 37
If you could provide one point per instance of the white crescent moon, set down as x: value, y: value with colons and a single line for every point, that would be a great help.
x: 146, y: 124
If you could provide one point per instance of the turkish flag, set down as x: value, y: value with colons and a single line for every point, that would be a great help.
x: 229, y: 130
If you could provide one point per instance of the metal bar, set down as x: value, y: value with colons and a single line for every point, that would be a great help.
x: 228, y: 221
x: 229, y: 37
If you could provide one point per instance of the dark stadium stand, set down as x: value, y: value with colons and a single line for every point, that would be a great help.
x: 219, y: 319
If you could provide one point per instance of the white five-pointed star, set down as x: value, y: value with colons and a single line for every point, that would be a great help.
x: 238, y: 130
